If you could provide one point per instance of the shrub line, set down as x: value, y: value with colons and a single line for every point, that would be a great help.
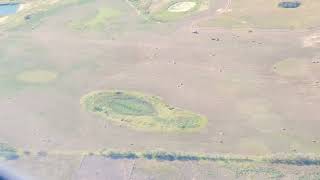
x: 298, y: 159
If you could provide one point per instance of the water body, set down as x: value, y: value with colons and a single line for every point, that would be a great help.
x: 8, y: 9
x: 293, y: 4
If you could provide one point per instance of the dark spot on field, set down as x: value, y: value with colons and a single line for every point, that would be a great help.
x: 42, y: 153
x: 27, y: 17
x: 118, y: 93
x: 27, y: 153
x: 289, y: 4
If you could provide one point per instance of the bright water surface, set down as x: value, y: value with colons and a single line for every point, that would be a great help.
x: 7, y: 9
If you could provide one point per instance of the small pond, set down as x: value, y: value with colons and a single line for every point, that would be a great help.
x: 8, y: 8
x: 289, y: 4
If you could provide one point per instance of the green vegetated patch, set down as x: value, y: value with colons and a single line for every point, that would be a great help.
x: 310, y: 176
x: 31, y: 13
x: 15, y: 80
x: 7, y: 152
x: 297, y: 68
x: 252, y: 170
x: 292, y: 68
x: 36, y: 76
x: 168, y: 10
x: 98, y: 21
x: 267, y: 14
x: 140, y: 111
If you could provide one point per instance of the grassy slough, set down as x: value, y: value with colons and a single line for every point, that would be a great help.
x: 36, y: 76
x: 140, y: 111
x: 98, y: 21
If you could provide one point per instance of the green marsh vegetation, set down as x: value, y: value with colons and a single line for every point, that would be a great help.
x: 140, y: 111
x: 97, y: 21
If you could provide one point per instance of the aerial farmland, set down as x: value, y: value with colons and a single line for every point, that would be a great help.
x: 159, y: 89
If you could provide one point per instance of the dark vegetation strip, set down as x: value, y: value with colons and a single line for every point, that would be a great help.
x: 298, y: 159
x: 286, y: 159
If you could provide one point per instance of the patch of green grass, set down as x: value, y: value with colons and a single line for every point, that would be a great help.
x: 311, y: 176
x: 36, y: 76
x: 141, y: 111
x: 37, y: 14
x: 253, y: 169
x: 98, y: 21
x: 120, y: 103
x: 7, y: 152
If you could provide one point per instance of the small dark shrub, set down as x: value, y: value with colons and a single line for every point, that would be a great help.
x: 163, y: 156
x: 147, y: 156
x: 122, y: 155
